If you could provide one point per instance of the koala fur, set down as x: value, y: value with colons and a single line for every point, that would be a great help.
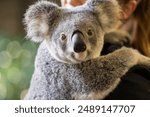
x: 68, y: 64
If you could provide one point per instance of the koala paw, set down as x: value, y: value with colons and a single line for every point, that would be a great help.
x: 115, y: 40
x: 119, y: 38
x: 134, y: 57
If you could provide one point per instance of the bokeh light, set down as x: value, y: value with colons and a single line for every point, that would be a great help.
x: 23, y: 93
x: 5, y: 59
x: 16, y: 66
x: 25, y: 57
x: 0, y: 76
x: 3, y: 91
x: 14, y: 48
x: 3, y: 42
x: 14, y: 75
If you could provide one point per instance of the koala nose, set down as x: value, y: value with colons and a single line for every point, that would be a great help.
x: 78, y: 43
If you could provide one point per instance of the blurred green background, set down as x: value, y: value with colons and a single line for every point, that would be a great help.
x: 16, y: 66
x: 16, y: 53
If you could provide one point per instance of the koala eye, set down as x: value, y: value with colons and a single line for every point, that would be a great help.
x: 90, y: 32
x: 63, y: 37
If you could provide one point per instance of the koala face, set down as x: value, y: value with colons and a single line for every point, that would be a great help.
x: 72, y: 35
x: 76, y: 38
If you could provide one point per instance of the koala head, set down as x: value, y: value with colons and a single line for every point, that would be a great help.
x: 72, y: 35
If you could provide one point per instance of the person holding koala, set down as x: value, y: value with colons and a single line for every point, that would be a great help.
x: 135, y: 18
x: 69, y: 63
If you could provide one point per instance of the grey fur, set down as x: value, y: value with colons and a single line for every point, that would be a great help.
x: 62, y: 73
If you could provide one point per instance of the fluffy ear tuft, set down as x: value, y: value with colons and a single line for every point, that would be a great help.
x: 39, y: 19
x: 107, y: 11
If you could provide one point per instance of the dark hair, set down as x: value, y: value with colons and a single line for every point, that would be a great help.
x: 142, y: 15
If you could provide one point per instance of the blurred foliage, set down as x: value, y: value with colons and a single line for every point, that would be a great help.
x: 16, y: 66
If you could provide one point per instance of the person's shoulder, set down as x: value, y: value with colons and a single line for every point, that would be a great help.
x: 140, y: 70
x: 135, y: 85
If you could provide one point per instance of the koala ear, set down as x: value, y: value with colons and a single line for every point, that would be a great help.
x: 39, y: 20
x: 107, y: 12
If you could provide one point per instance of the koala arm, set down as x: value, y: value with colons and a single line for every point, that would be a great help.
x: 108, y: 70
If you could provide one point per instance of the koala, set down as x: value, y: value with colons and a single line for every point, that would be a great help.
x: 68, y: 64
